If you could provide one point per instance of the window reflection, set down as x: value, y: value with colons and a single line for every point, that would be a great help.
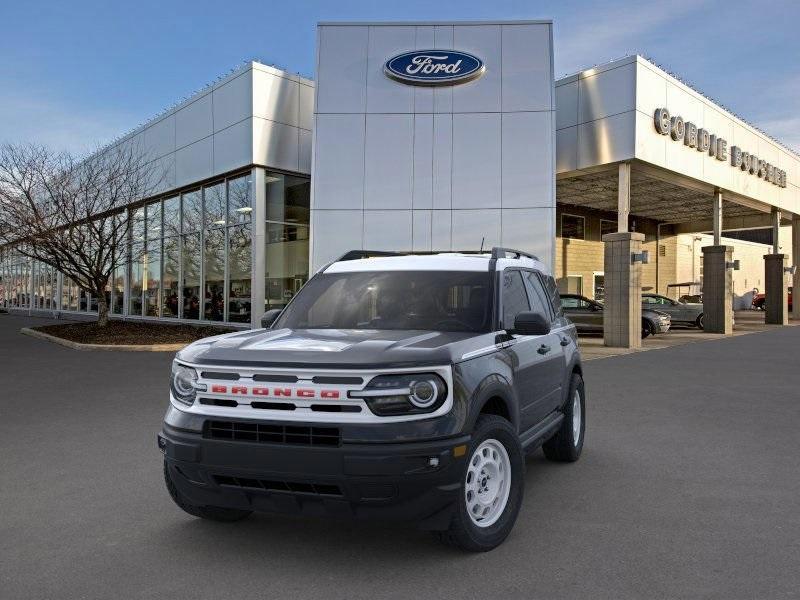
x: 135, y: 301
x: 288, y: 199
x: 214, y: 293
x: 151, y: 263
x: 239, y: 272
x: 190, y: 256
x: 169, y: 278
x: 216, y: 210
x: 192, y: 211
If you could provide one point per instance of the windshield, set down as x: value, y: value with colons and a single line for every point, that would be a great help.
x: 428, y: 300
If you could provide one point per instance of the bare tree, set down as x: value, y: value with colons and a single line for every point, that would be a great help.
x: 70, y: 213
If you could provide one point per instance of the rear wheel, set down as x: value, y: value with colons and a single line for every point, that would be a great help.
x: 648, y: 328
x: 213, y: 513
x: 566, y: 445
x: 491, y: 490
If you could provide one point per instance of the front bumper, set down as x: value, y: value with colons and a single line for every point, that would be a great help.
x: 409, y: 481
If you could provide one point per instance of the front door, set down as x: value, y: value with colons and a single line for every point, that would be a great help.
x: 538, y: 359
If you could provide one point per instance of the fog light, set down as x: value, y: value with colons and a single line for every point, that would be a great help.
x: 433, y: 461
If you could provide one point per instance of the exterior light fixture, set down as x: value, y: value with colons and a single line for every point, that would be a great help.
x: 732, y: 265
x: 642, y: 257
x: 790, y: 270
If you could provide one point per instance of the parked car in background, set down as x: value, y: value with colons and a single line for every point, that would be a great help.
x: 759, y: 300
x: 681, y: 313
x: 588, y: 316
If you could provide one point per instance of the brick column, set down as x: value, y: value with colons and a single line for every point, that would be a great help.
x: 776, y: 290
x: 622, y: 314
x: 717, y: 290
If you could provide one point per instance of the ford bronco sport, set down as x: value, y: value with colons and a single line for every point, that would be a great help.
x: 391, y: 386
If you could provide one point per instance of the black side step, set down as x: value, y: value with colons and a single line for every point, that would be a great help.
x: 541, y: 432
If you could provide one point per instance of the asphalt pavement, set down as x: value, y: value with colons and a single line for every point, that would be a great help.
x: 688, y: 487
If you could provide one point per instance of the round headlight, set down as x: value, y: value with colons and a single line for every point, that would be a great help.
x: 423, y: 393
x: 184, y: 383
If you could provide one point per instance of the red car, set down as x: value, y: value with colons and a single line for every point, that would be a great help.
x: 760, y: 299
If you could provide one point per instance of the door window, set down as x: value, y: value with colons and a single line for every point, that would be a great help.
x: 515, y: 299
x: 536, y: 294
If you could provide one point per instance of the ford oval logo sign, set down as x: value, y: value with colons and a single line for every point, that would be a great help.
x: 434, y: 67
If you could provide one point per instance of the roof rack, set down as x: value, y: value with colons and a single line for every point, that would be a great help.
x: 498, y: 252
x: 358, y: 254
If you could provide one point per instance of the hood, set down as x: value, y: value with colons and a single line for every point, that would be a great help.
x: 331, y: 348
x: 654, y: 313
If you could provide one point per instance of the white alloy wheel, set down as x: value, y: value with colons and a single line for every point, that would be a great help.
x: 576, y: 418
x: 488, y: 483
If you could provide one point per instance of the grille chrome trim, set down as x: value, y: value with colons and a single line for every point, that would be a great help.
x: 308, y: 406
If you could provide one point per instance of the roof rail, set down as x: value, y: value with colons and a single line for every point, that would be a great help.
x: 357, y: 254
x: 498, y: 252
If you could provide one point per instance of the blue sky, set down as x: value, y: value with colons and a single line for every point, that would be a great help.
x: 75, y: 74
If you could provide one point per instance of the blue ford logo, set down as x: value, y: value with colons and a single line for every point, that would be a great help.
x: 434, y: 67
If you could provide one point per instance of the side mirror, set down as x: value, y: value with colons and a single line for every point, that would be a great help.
x: 270, y: 317
x: 531, y: 323
x: 596, y: 307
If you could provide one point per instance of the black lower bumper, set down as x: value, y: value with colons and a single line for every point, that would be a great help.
x: 416, y: 481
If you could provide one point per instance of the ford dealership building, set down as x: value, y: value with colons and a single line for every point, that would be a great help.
x: 449, y: 136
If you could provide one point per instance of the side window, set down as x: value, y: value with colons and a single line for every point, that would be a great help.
x: 552, y: 292
x: 570, y: 302
x: 515, y: 299
x: 649, y: 300
x: 538, y: 298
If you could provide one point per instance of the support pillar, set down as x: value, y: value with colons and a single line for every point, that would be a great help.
x: 796, y: 263
x: 717, y: 290
x: 717, y: 218
x: 776, y: 290
x: 623, y: 196
x: 622, y: 314
x: 258, y: 195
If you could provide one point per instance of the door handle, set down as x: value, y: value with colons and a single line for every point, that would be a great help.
x: 565, y: 341
x: 543, y: 349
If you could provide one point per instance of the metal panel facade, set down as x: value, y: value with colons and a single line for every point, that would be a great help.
x: 433, y: 168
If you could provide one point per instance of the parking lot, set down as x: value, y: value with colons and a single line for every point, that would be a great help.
x: 688, y: 487
x: 747, y: 321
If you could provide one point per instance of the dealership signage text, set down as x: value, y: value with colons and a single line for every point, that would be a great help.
x: 703, y: 141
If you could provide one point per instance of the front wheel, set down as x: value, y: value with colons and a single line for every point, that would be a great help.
x: 700, y: 321
x: 566, y: 445
x: 491, y: 490
x: 648, y: 328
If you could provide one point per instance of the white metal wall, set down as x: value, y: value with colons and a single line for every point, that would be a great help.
x: 606, y: 115
x: 399, y: 167
x: 256, y: 115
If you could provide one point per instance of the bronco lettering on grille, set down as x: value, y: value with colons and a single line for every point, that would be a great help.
x: 241, y: 390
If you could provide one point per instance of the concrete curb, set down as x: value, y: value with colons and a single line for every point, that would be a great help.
x: 121, y: 347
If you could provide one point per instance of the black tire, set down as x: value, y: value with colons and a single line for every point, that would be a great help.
x: 648, y: 328
x: 562, y: 447
x: 463, y: 532
x: 699, y: 321
x: 213, y: 513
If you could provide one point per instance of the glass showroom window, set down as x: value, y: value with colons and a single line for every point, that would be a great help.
x: 190, y: 262
x: 191, y: 219
x: 288, y: 199
x: 240, y: 262
x: 136, y: 279
x: 169, y: 278
x: 118, y: 288
x: 214, y: 293
x: 151, y: 261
